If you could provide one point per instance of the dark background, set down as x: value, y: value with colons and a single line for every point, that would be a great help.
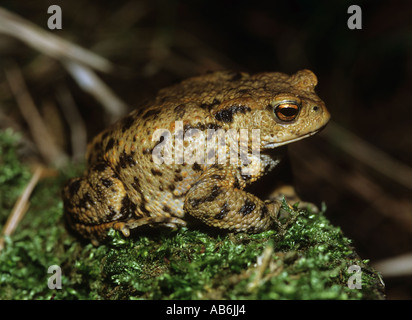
x: 365, y: 78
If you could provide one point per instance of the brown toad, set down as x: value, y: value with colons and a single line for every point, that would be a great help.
x: 130, y: 183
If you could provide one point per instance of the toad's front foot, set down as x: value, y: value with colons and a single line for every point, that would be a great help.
x: 125, y: 227
x: 217, y: 200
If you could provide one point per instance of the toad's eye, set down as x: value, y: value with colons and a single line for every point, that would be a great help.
x: 287, y: 110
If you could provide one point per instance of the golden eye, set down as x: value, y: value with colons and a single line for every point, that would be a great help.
x: 287, y: 111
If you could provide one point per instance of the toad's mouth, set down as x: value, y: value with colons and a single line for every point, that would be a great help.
x: 282, y: 143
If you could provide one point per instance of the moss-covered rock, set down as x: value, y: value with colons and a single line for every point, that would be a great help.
x: 310, y: 259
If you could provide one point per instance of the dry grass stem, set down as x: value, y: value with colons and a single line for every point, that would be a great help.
x: 78, y: 61
x: 357, y: 184
x: 48, y: 43
x: 87, y: 79
x: 50, y: 152
x: 20, y: 207
x: 75, y: 121
x: 369, y: 155
x: 395, y: 266
x: 261, y: 265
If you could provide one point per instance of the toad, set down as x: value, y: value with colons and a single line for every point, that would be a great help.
x: 141, y: 170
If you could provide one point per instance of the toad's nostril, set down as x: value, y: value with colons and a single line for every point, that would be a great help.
x: 315, y: 108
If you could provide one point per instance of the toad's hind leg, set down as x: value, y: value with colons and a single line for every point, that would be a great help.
x: 98, y: 201
x: 218, y: 200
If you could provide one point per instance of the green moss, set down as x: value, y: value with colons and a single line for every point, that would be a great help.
x: 307, y: 260
x: 13, y: 175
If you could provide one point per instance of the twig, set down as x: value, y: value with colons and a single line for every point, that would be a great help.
x: 49, y: 43
x: 76, y: 124
x: 261, y: 265
x: 356, y: 184
x: 45, y: 144
x: 395, y: 266
x: 369, y: 155
x: 91, y: 83
x: 20, y: 207
x: 78, y: 61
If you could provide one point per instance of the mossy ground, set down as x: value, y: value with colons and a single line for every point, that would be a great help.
x: 309, y: 260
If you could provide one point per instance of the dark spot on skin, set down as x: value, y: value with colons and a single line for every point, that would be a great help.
x: 215, y: 192
x: 86, y: 199
x: 195, y: 202
x: 136, y: 184
x: 236, y: 184
x: 160, y: 188
x: 178, y: 177
x: 200, y: 126
x: 128, y: 207
x: 143, y: 208
x: 213, y: 126
x: 226, y: 115
x: 223, y: 212
x: 74, y: 187
x: 187, y: 127
x: 153, y: 112
x: 156, y: 172
x: 167, y: 209
x: 209, y: 106
x: 171, y: 187
x: 106, y: 182
x: 126, y: 160
x: 120, y: 164
x: 211, y: 197
x: 111, y: 214
x: 130, y: 159
x: 244, y: 91
x: 263, y: 212
x: 110, y: 144
x: 216, y: 176
x: 180, y: 110
x: 127, y: 123
x: 247, y: 208
x: 196, y: 167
